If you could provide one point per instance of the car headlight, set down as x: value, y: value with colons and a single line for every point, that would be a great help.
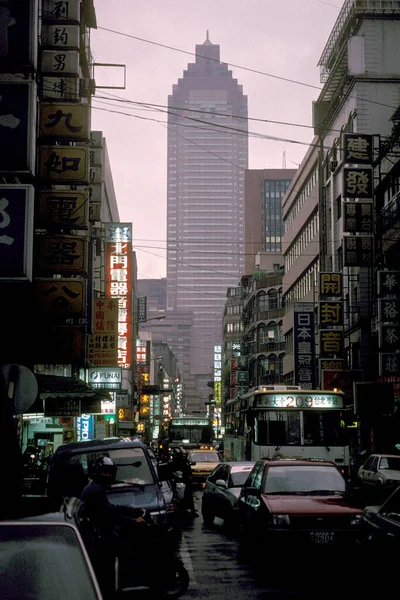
x: 281, y: 520
x: 356, y: 520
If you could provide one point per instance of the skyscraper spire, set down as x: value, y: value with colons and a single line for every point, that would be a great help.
x: 207, y: 42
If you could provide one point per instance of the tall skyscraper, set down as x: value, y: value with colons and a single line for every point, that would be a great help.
x: 207, y: 159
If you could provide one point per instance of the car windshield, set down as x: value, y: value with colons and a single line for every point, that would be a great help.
x: 43, y: 562
x: 132, y: 466
x: 390, y: 462
x: 204, y: 457
x: 239, y: 476
x: 291, y: 479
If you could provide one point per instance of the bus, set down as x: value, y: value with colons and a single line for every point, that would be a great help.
x: 280, y: 422
x: 187, y: 432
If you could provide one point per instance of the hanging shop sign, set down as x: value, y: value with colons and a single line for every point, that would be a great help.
x: 330, y: 313
x: 142, y: 309
x: 119, y: 284
x: 358, y: 149
x: 61, y: 254
x: 330, y: 285
x: 64, y: 121
x: 331, y: 343
x: 64, y: 210
x: 358, y: 183
x: 389, y: 310
x: 18, y: 36
x: 358, y: 251
x: 17, y: 127
x: 389, y: 338
x: 84, y: 428
x: 61, y: 11
x: 60, y: 38
x: 60, y: 62
x: 62, y: 407
x: 304, y: 345
x: 358, y: 217
x: 103, y: 342
x: 60, y: 88
x: 64, y: 164
x: 109, y: 378
x: 389, y: 364
x: 60, y: 297
x: 389, y: 283
x: 16, y: 231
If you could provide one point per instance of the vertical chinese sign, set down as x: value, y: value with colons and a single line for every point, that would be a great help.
x: 331, y: 322
x: 143, y: 380
x: 358, y: 193
x: 103, y: 343
x: 119, y: 284
x: 304, y: 345
x: 389, y: 327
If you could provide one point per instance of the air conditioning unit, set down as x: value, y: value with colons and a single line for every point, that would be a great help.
x: 333, y: 165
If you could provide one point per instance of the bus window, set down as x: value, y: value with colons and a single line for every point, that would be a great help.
x: 279, y: 428
x: 322, y: 428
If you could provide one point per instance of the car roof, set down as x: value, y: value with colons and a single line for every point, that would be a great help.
x: 299, y: 462
x: 93, y: 445
x: 239, y: 463
x: 384, y: 455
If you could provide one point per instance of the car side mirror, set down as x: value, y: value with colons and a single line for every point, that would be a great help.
x: 221, y: 483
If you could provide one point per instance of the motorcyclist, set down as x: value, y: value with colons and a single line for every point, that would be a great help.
x: 107, y: 519
x: 180, y: 462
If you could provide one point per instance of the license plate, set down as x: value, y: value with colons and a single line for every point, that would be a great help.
x: 322, y: 537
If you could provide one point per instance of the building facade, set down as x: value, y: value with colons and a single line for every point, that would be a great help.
x: 264, y: 190
x: 207, y: 158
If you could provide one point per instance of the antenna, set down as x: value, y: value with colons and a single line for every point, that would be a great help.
x: 284, y: 160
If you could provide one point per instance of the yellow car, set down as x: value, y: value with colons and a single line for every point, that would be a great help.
x: 203, y: 462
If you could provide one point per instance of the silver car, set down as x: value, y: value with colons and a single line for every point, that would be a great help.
x: 380, y: 471
x: 222, y: 491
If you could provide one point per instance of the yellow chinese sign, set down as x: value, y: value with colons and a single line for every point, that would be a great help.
x: 64, y: 164
x: 62, y: 254
x: 358, y: 183
x: 61, y: 297
x: 63, y: 209
x: 103, y: 343
x: 330, y: 313
x: 331, y: 343
x: 332, y: 365
x: 330, y: 285
x: 217, y: 392
x: 64, y: 121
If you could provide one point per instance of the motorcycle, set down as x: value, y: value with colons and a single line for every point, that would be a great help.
x: 178, y: 487
x: 135, y: 570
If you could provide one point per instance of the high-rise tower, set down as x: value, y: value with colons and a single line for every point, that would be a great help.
x: 207, y: 158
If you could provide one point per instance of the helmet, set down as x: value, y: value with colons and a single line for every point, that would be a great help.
x: 176, y: 453
x: 184, y: 453
x: 104, y: 470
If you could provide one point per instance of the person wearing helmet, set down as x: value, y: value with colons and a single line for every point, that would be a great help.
x: 107, y: 519
x: 181, y: 463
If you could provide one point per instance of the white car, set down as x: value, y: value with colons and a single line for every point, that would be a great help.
x: 380, y: 471
x: 222, y: 490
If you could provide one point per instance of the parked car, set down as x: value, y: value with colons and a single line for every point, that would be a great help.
x: 44, y: 559
x: 203, y: 463
x: 222, y: 490
x: 301, y: 503
x: 381, y: 472
x: 380, y: 525
x: 136, y: 484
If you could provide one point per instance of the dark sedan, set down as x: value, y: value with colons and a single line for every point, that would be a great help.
x: 222, y: 490
x: 380, y: 525
x: 297, y: 503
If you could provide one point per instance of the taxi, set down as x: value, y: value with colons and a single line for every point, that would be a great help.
x: 203, y: 462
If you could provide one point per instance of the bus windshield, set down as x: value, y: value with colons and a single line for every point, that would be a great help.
x: 283, y: 428
x: 193, y: 433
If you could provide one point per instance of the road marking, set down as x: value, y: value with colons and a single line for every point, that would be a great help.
x: 187, y: 561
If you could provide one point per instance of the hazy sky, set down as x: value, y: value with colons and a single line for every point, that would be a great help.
x: 282, y: 38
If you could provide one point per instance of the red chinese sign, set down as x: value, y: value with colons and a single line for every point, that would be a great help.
x: 103, y: 343
x: 119, y: 284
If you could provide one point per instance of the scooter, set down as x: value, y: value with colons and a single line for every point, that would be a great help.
x: 134, y: 567
x: 178, y: 487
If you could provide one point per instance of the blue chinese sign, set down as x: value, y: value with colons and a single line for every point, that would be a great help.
x: 17, y: 128
x: 16, y: 231
x: 84, y: 428
x: 304, y: 345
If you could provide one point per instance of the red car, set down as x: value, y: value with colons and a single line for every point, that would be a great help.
x: 303, y: 503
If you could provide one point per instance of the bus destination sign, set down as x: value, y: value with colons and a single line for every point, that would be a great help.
x: 298, y: 401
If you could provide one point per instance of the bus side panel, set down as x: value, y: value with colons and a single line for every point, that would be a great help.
x: 234, y: 448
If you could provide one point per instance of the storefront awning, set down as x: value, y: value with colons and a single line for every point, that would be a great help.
x: 66, y: 396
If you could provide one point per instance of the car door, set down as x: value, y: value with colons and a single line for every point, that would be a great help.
x: 365, y: 469
x: 372, y: 476
x: 251, y: 496
x: 221, y: 475
x: 388, y: 521
x: 212, y: 491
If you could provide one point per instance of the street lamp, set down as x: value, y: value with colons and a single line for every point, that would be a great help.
x: 159, y: 318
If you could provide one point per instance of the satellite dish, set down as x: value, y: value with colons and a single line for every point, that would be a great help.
x: 21, y: 387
